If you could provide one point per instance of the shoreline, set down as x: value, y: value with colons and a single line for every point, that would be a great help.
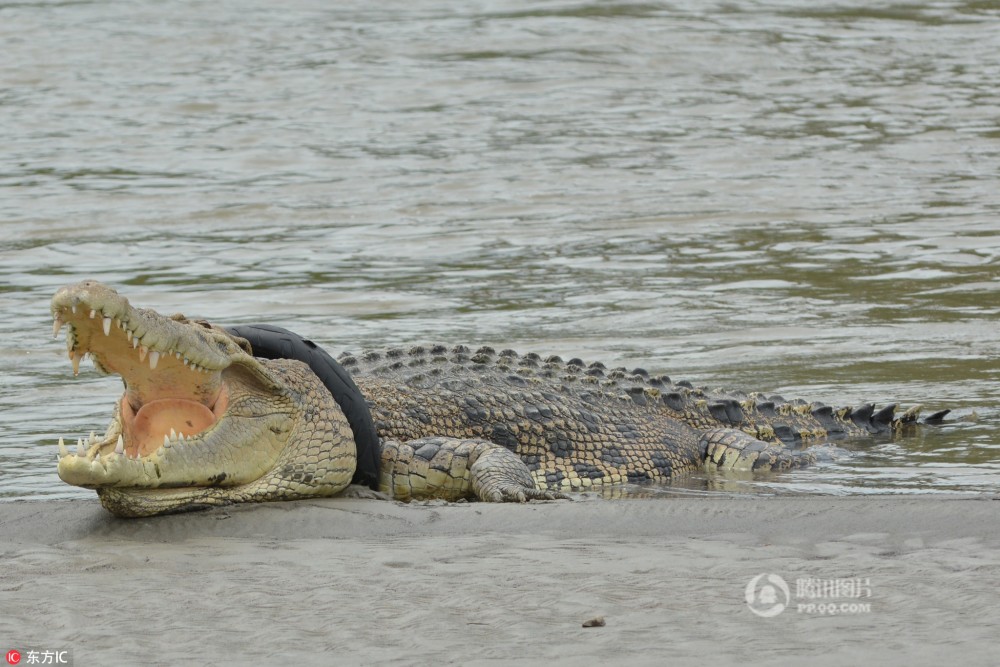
x: 363, y: 581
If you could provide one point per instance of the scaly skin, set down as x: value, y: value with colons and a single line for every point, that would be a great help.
x: 203, y: 423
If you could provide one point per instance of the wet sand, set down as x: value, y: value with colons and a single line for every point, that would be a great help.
x: 361, y: 581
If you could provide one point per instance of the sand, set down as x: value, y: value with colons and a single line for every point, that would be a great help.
x: 349, y: 581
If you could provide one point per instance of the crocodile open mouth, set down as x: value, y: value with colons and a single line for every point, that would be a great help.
x: 174, y: 390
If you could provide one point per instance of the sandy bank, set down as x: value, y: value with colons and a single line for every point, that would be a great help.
x: 358, y: 581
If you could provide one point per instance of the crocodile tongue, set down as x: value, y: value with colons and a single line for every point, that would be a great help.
x: 146, y: 429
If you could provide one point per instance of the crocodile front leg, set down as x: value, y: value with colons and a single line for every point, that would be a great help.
x: 454, y: 468
x: 730, y: 449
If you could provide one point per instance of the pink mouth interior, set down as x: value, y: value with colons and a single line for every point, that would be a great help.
x: 144, y: 430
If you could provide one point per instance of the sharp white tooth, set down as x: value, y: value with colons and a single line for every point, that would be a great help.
x: 93, y: 438
x: 107, y: 326
x: 135, y: 342
x: 166, y: 441
x: 56, y: 326
x: 143, y: 351
x: 154, y: 357
x: 80, y: 451
x: 187, y: 361
x: 73, y: 308
x: 177, y: 354
x: 120, y: 447
x: 76, y: 357
x: 173, y: 434
x: 93, y: 314
x: 62, y: 448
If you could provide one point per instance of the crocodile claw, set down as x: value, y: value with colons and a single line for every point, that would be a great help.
x: 515, y: 493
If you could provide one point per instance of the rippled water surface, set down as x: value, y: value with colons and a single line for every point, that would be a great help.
x: 782, y: 196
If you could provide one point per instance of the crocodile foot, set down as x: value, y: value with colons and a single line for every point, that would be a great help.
x: 729, y: 449
x: 455, y: 468
x: 499, y: 476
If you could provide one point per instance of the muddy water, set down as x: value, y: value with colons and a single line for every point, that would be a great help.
x: 765, y: 196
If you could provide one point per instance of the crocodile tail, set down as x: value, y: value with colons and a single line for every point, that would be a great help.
x: 797, y: 420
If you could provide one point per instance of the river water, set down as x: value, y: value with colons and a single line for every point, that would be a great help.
x: 775, y: 196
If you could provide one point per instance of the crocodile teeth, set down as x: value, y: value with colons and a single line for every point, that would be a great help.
x: 80, y: 451
x: 76, y: 357
x: 56, y: 326
x: 154, y: 357
x: 120, y: 447
x: 62, y: 448
x: 135, y: 341
x: 93, y: 314
x: 143, y: 351
x: 107, y: 326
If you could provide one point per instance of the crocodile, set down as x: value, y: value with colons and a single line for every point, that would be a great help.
x: 203, y: 422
